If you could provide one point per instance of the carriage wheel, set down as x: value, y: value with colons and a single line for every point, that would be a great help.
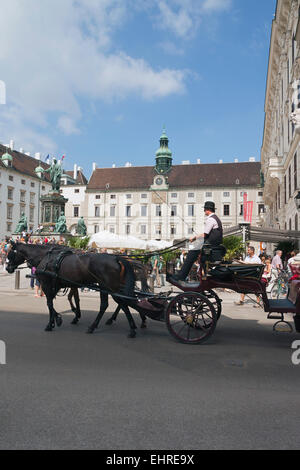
x: 215, y: 300
x: 191, y: 318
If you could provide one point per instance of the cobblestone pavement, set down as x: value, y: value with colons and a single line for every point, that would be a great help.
x: 70, y: 390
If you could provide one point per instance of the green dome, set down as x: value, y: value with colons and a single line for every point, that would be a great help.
x: 164, y: 152
x: 6, y: 157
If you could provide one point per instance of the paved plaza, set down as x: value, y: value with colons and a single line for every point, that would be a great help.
x: 70, y: 390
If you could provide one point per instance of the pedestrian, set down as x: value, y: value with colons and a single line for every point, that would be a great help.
x: 251, y: 258
x: 160, y: 270
x: 276, y: 261
x: 155, y: 270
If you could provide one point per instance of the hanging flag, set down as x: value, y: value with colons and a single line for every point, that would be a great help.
x: 245, y: 206
x: 249, y: 211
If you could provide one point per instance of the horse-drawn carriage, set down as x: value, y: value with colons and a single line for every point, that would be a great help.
x: 191, y: 316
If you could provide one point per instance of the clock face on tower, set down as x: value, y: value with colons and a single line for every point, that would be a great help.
x: 159, y: 181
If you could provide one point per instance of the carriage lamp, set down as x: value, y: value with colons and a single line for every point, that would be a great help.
x: 297, y: 201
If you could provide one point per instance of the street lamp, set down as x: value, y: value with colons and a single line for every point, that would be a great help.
x: 297, y: 201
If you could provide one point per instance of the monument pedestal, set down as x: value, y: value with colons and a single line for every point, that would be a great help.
x: 53, y: 204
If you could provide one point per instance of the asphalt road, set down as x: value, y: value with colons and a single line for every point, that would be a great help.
x: 70, y: 390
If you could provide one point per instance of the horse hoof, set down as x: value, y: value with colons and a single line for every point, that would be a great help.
x: 132, y: 334
x: 59, y: 321
x: 48, y: 328
x: 109, y: 322
x: 74, y: 322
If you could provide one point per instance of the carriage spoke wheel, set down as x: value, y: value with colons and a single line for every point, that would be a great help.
x: 191, y: 318
x: 215, y: 300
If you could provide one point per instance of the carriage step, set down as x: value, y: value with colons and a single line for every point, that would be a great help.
x: 273, y: 316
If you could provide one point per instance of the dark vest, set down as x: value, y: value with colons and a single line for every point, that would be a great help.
x: 215, y: 237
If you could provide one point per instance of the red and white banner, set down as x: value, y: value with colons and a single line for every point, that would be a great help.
x: 249, y: 211
x: 245, y: 200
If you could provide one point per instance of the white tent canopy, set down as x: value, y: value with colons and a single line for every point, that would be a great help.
x: 111, y: 240
x: 157, y: 244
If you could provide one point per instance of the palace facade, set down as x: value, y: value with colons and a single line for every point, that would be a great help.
x: 280, y: 153
x: 163, y: 201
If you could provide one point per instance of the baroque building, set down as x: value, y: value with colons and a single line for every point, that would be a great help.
x: 163, y: 201
x: 280, y: 153
x: 20, y: 189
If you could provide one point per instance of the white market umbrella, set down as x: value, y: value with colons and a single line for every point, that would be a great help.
x: 157, y: 244
x: 106, y: 239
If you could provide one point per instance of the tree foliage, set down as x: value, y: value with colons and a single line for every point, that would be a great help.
x: 234, y: 246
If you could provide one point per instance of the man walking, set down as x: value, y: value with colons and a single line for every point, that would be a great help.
x: 251, y: 258
x: 213, y: 234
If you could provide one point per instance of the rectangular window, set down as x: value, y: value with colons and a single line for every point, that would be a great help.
x: 290, y: 183
x: 295, y: 172
x: 173, y: 211
x: 112, y: 211
x: 76, y: 211
x: 285, y: 189
x: 208, y: 194
x: 226, y: 194
x: 43, y: 188
x: 261, y: 208
x: 260, y: 194
x: 174, y: 195
x: 173, y: 230
x: 8, y: 226
x: 22, y: 209
x: 191, y: 195
x: 113, y: 196
x: 11, y: 178
x: 10, y: 193
x: 97, y: 196
x: 144, y: 196
x: 158, y: 211
x: 76, y: 191
x: 190, y: 230
x: 23, y: 182
x: 191, y: 210
x: 226, y: 210
x: 32, y: 198
x: 32, y: 185
x: 128, y: 228
x: 158, y: 230
x: 279, y: 198
x: 143, y: 211
x: 31, y: 214
x: 128, y: 196
x: 22, y: 196
x: 97, y: 211
x: 128, y: 211
x: 111, y: 229
x: 143, y: 229
x: 96, y: 228
x: 9, y: 211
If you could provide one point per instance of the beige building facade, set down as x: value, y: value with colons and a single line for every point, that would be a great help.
x: 280, y: 153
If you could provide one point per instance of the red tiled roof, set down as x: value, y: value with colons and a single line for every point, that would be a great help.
x: 81, y: 179
x: 23, y: 163
x: 200, y: 175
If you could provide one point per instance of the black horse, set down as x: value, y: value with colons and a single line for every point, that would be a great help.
x: 58, y: 268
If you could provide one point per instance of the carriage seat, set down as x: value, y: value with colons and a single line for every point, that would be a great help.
x: 213, y: 254
x: 291, y: 304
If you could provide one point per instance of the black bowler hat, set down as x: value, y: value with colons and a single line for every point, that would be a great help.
x: 210, y: 206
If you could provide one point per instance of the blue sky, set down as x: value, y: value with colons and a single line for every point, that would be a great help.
x: 97, y: 79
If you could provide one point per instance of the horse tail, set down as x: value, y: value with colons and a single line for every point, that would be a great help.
x: 129, y: 276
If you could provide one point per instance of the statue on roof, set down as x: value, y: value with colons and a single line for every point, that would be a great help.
x: 22, y: 225
x: 55, y: 171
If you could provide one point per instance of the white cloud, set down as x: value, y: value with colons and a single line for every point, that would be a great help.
x: 56, y: 53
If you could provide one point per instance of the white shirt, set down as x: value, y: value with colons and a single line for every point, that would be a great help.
x: 252, y: 259
x: 210, y: 224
